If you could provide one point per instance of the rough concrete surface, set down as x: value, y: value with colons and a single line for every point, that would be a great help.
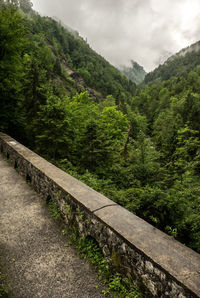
x: 38, y: 259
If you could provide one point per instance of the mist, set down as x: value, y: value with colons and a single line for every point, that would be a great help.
x: 146, y: 31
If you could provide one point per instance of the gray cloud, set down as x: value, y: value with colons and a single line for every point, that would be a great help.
x: 146, y: 31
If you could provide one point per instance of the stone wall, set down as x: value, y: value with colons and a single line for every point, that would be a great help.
x: 158, y: 264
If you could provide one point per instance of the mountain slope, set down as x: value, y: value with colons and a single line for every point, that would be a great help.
x: 195, y: 47
x: 177, y: 65
x: 96, y: 72
x: 143, y: 151
x: 135, y: 73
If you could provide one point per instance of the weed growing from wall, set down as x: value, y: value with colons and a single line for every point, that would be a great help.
x: 54, y: 209
x: 116, y: 285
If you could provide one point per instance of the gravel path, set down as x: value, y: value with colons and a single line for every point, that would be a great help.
x: 38, y: 260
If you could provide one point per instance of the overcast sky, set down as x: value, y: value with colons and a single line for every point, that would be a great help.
x: 145, y: 31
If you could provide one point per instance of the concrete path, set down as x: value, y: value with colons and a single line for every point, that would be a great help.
x: 38, y: 259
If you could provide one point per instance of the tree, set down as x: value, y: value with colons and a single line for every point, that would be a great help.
x: 186, y: 156
x: 38, y: 66
x: 51, y: 128
x: 12, y: 41
x: 25, y: 5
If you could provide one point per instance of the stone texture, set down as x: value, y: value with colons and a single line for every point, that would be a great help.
x: 39, y: 261
x: 176, y: 259
x: 158, y: 264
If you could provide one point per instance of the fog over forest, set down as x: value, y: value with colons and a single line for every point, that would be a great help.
x: 147, y: 31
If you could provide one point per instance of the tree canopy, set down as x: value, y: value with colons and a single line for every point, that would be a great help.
x: 140, y: 147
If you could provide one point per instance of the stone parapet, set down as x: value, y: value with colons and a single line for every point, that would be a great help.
x: 158, y: 264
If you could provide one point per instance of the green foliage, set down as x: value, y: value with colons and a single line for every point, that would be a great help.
x: 50, y: 127
x: 96, y: 71
x: 139, y: 147
x: 123, y: 286
x: 25, y: 5
x: 12, y: 42
x: 176, y: 66
x: 186, y: 155
x: 77, y: 130
x: 115, y: 283
x: 54, y: 209
x: 172, y: 109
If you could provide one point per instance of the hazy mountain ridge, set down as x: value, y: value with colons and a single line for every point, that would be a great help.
x: 177, y: 65
x: 195, y: 47
x: 68, y: 28
x: 135, y: 72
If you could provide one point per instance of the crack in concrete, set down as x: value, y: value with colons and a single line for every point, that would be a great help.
x: 104, y: 207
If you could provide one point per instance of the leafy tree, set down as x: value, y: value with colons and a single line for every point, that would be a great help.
x: 38, y: 65
x: 187, y: 151
x: 12, y: 41
x: 25, y: 5
x: 138, y: 146
x: 51, y: 128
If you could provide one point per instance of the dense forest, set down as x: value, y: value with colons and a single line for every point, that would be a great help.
x: 138, y: 146
x: 174, y: 66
